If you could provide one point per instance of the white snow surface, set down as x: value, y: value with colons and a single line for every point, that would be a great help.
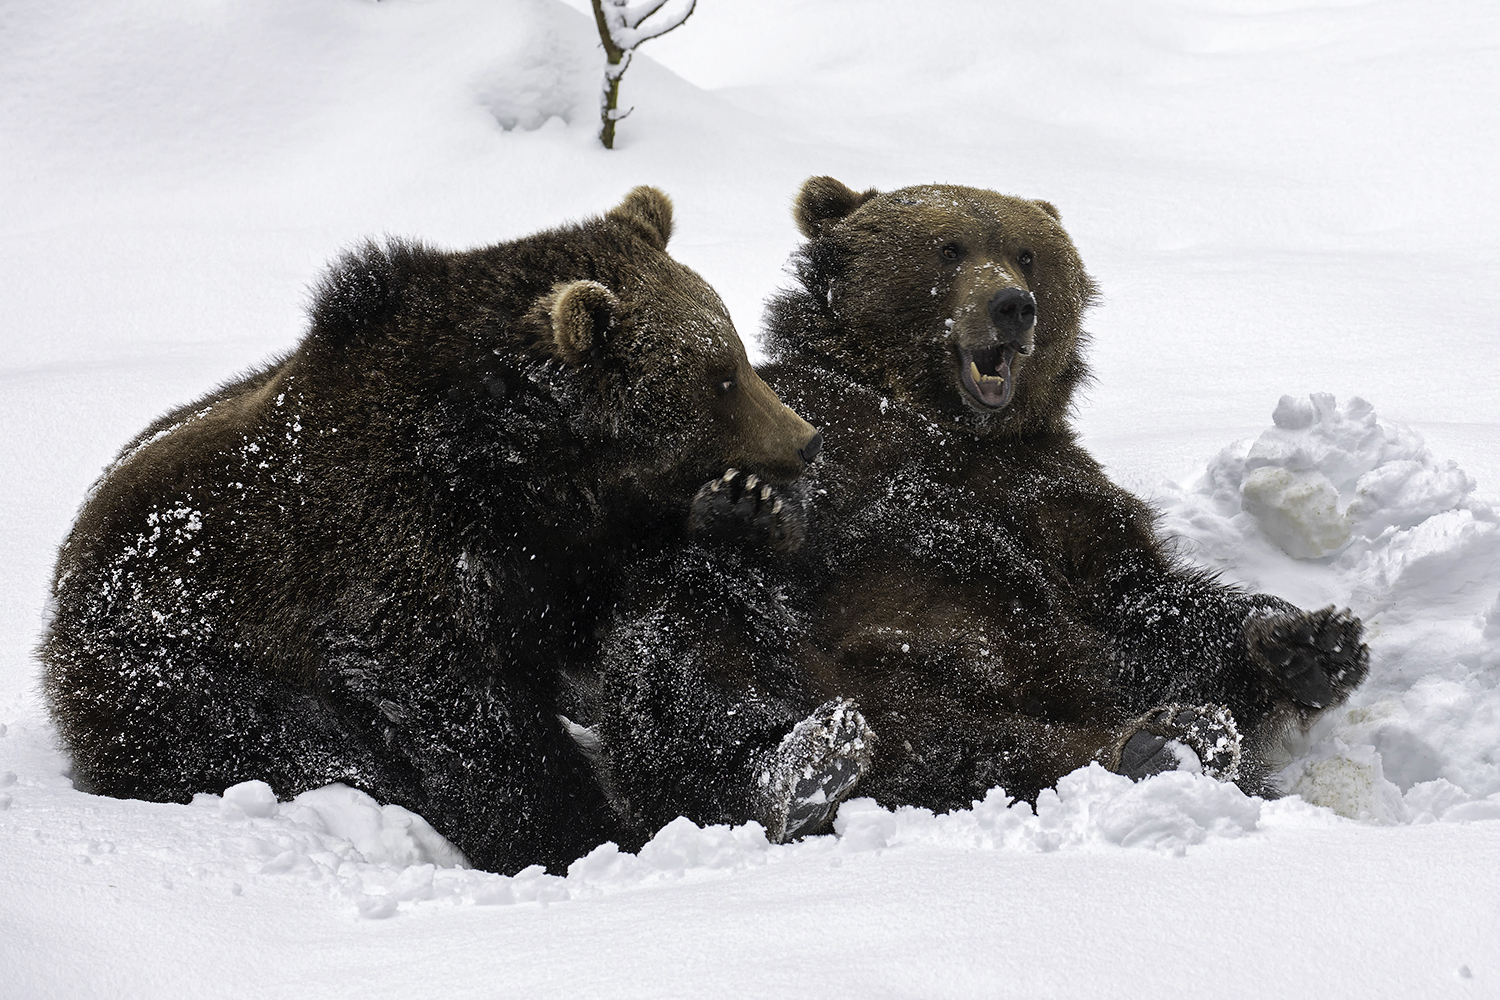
x: 1290, y: 208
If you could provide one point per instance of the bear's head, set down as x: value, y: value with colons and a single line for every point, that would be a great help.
x: 952, y: 299
x: 661, y: 371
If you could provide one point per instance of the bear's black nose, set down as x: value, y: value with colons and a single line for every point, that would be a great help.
x: 1013, y: 311
x: 810, y: 450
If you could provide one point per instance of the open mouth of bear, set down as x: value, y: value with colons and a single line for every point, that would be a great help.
x: 985, y: 373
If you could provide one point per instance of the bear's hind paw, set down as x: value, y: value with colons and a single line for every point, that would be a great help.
x: 1159, y: 740
x: 815, y: 768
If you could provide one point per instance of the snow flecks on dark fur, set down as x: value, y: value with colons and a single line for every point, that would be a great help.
x: 369, y: 284
x: 880, y: 270
x: 1000, y: 611
x: 380, y: 559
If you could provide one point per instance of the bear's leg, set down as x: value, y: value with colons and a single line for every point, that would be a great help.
x: 703, y: 709
x: 1182, y: 637
x: 678, y: 736
x: 948, y: 759
x: 178, y: 721
x: 948, y: 756
x: 524, y: 793
x: 468, y: 737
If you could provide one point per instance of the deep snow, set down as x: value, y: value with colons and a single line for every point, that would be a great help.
x: 1280, y: 199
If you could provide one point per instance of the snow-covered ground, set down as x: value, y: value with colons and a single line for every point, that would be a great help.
x: 1279, y: 198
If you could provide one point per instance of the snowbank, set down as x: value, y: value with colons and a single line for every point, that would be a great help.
x: 1333, y: 504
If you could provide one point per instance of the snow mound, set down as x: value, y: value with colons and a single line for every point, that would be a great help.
x: 383, y: 859
x: 1335, y: 505
x: 381, y: 834
x: 550, y: 70
x: 1090, y: 808
x: 1329, y: 479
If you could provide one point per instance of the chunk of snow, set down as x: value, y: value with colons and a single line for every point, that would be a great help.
x: 1299, y: 511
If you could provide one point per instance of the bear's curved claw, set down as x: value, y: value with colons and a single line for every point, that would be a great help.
x: 742, y: 506
x: 815, y: 768
x: 1315, y: 657
x: 1156, y: 741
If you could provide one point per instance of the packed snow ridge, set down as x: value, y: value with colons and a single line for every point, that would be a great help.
x: 380, y: 857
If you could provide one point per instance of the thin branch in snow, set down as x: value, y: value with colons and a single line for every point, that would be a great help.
x: 622, y: 28
x: 633, y: 17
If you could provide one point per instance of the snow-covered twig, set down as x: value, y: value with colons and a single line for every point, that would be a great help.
x: 622, y: 27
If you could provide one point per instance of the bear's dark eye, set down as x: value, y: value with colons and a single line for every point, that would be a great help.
x: 1026, y: 258
x: 727, y: 385
x: 952, y: 251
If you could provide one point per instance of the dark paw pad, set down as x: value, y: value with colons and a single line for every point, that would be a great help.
x: 742, y: 506
x: 1316, y: 657
x: 1159, y: 739
x: 814, y: 769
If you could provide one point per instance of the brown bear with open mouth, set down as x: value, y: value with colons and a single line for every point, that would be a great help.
x: 998, y: 609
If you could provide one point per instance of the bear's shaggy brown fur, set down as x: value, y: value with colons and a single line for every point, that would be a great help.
x: 376, y: 559
x: 1000, y: 611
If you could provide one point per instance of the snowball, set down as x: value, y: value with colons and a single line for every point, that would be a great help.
x: 1293, y: 414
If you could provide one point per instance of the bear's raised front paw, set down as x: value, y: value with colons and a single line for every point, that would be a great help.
x: 1161, y: 739
x: 1315, y: 657
x: 815, y: 768
x: 741, y: 505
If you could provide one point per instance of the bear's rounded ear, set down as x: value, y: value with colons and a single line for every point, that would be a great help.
x: 582, y: 313
x: 649, y: 211
x: 1048, y: 207
x: 822, y: 200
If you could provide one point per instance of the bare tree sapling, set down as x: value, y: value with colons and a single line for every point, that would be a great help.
x: 622, y: 27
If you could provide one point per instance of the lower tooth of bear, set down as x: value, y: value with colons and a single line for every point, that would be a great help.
x: 982, y: 379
